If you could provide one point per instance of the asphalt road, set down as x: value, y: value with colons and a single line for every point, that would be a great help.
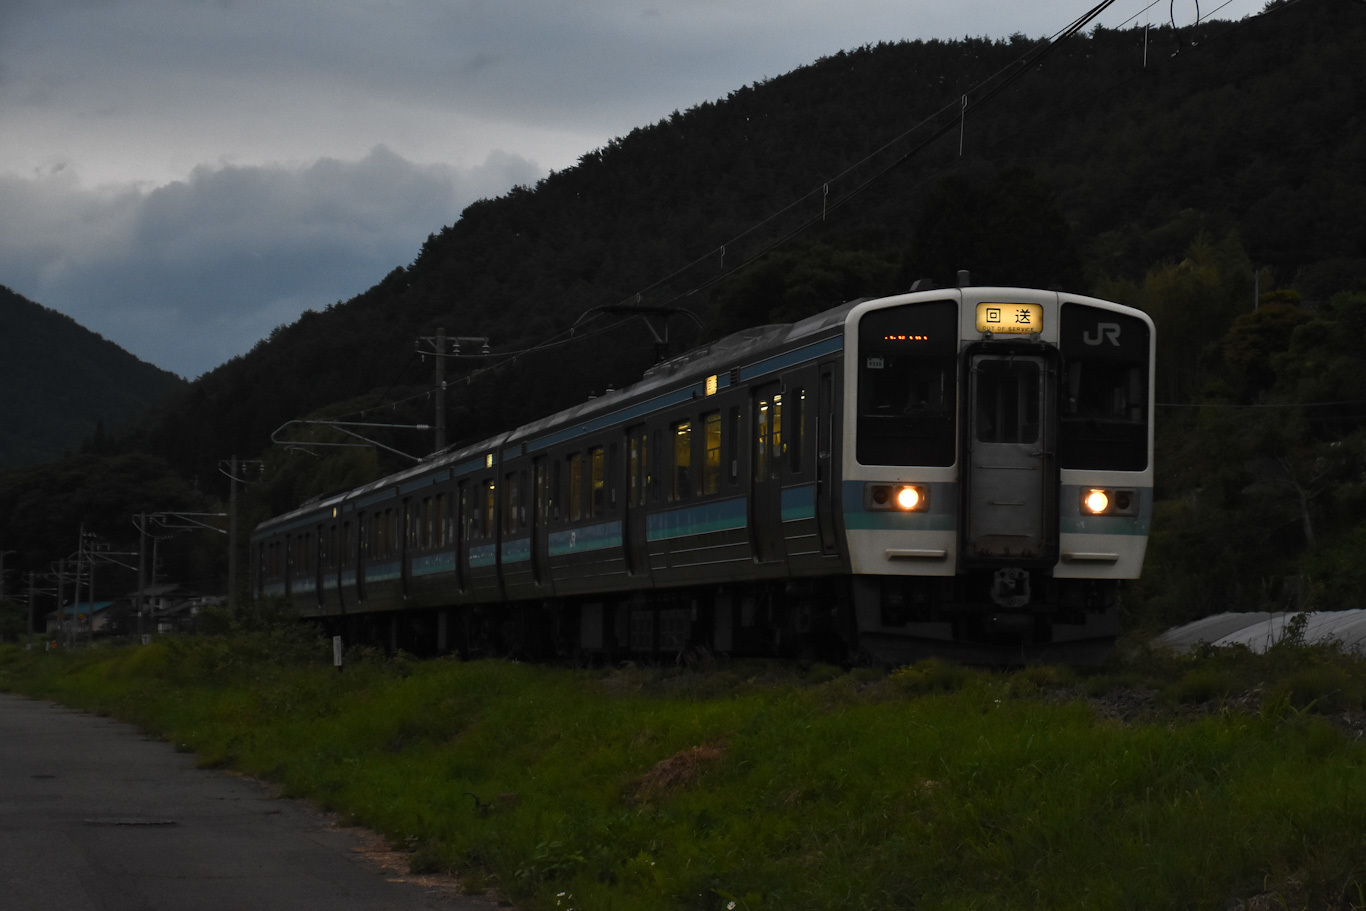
x: 96, y: 815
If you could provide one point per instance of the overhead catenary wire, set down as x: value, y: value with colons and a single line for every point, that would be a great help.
x: 981, y: 93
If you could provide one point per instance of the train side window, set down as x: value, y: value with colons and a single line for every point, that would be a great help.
x: 635, y: 469
x: 346, y: 544
x: 541, y: 476
x: 490, y: 507
x: 733, y: 444
x: 613, y: 476
x: 555, y: 493
x: 711, y: 467
x: 655, y: 462
x: 440, y: 521
x: 596, y: 480
x: 761, y: 439
x: 682, y: 473
x: 778, y: 448
x: 512, y: 502
x: 463, y: 520
x: 768, y: 437
x: 575, y: 486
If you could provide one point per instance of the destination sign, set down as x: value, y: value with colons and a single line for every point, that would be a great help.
x: 1009, y: 319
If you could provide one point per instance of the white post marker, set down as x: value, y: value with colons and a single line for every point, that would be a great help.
x: 337, y: 652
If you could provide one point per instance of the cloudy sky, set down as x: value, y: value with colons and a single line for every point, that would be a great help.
x: 182, y: 176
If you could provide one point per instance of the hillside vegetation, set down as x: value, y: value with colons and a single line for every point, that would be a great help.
x: 1225, y: 780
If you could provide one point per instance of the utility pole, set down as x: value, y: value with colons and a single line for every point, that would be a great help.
x: 3, y: 555
x: 436, y: 347
x: 440, y: 381
x: 61, y: 595
x: 232, y: 534
x: 232, y: 468
x: 32, y: 603
x: 142, y: 568
x: 76, y: 599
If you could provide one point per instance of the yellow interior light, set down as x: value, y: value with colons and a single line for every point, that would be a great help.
x: 711, y: 384
x: 908, y: 498
x: 1096, y: 501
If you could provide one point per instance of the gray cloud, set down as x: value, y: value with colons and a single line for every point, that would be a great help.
x: 189, y: 274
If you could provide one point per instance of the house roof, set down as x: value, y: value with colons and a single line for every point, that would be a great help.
x: 85, y: 608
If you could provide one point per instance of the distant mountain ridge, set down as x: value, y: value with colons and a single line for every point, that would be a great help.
x: 61, y: 384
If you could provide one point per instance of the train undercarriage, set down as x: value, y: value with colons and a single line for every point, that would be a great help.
x: 864, y: 619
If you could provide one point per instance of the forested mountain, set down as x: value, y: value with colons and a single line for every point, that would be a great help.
x: 1196, y: 173
x: 62, y: 385
x: 1090, y: 168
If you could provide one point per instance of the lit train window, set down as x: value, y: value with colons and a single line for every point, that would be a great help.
x: 490, y: 503
x: 768, y: 437
x: 596, y: 481
x: 682, y: 475
x: 711, y: 468
x: 908, y: 385
x: 512, y: 501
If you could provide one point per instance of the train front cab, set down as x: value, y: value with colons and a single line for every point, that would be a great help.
x: 998, y: 481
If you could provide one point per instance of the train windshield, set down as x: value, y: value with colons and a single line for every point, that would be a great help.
x: 1104, y: 409
x: 907, y: 385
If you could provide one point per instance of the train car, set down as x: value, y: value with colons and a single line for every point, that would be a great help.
x: 965, y: 472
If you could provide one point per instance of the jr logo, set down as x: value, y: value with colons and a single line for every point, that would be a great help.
x: 1104, y: 332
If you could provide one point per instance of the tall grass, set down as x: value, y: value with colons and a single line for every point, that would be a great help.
x: 755, y: 786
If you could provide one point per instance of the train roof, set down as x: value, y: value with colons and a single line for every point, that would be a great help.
x: 735, y: 349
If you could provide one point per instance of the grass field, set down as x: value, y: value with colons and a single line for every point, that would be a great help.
x: 1221, y: 780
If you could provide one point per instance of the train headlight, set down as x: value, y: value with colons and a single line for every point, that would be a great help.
x: 899, y: 497
x: 908, y: 498
x: 1101, y: 501
x: 1096, y: 502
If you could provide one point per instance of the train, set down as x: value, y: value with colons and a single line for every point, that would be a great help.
x: 963, y: 472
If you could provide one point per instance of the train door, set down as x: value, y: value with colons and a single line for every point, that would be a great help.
x: 364, y: 525
x: 1010, y: 492
x: 540, y: 512
x: 766, y: 508
x: 404, y: 545
x: 637, y: 476
x: 825, y: 477
x: 462, y: 532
